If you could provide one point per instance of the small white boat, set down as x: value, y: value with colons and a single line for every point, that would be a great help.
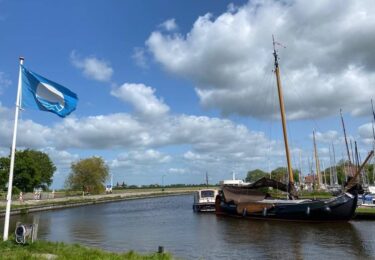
x: 204, y: 200
x: 368, y: 198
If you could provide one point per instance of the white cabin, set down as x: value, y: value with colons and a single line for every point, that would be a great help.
x: 204, y: 200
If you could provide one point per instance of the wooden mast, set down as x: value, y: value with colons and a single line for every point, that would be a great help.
x: 373, y: 113
x: 334, y: 163
x: 330, y: 167
x: 316, y: 161
x: 354, y: 180
x: 346, y: 140
x: 283, y: 119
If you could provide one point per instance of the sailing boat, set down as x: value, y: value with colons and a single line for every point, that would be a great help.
x: 370, y: 193
x: 249, y: 202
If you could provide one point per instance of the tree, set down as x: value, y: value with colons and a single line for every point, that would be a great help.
x: 370, y: 172
x: 88, y: 175
x: 31, y: 169
x: 281, y: 174
x: 4, y: 171
x: 342, y: 169
x: 255, y: 175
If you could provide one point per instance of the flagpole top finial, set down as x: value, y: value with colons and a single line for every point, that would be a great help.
x: 22, y: 58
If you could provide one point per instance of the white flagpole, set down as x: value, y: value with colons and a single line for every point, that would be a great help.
x: 10, y: 182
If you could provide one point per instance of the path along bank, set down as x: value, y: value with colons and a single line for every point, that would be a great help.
x: 31, y: 205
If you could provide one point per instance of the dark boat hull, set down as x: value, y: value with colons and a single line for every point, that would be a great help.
x: 204, y: 207
x: 340, y: 208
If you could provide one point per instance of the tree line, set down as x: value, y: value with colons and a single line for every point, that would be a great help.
x: 280, y: 173
x: 34, y: 169
x: 123, y: 185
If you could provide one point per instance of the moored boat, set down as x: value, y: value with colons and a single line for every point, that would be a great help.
x: 246, y: 203
x: 204, y: 200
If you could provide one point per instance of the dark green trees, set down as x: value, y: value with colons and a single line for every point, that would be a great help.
x: 31, y: 169
x: 4, y: 171
x: 281, y: 174
x: 88, y: 175
x: 255, y: 175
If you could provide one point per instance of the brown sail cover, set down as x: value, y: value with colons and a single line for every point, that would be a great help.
x: 266, y: 182
x: 238, y: 195
x: 250, y: 193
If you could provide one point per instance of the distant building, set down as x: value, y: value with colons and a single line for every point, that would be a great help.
x: 309, y: 182
x: 233, y: 182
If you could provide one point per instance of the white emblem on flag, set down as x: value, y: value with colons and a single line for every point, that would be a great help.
x: 50, y: 97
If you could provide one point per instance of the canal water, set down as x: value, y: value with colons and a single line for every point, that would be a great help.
x: 144, y: 224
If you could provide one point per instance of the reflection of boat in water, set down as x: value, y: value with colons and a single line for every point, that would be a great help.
x: 249, y: 202
x: 204, y: 200
x: 322, y: 240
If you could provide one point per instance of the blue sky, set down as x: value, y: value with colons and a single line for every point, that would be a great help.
x: 178, y: 88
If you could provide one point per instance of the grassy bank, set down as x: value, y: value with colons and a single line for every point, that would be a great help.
x: 55, y: 250
x: 367, y: 210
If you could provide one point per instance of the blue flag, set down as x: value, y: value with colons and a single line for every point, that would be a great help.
x: 43, y: 94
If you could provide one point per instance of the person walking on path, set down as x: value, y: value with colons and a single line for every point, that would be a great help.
x: 21, y: 197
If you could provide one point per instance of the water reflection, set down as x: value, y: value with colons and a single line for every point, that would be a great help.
x: 273, y: 239
x: 36, y: 218
x: 84, y: 226
x: 143, y: 225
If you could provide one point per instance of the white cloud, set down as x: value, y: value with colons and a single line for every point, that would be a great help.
x: 212, y: 140
x: 232, y: 8
x: 139, y: 56
x: 365, y: 132
x: 192, y: 156
x: 205, y: 135
x: 142, y: 98
x: 101, y: 132
x: 169, y: 25
x: 92, y: 67
x: 328, y: 63
x: 328, y: 137
x: 61, y: 158
x: 203, y: 143
x: 177, y: 170
x: 4, y: 81
x: 140, y: 158
x: 30, y: 134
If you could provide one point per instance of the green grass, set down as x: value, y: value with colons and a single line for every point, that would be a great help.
x: 365, y: 210
x: 315, y: 195
x: 38, y: 250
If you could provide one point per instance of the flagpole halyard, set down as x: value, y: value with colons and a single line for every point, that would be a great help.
x: 12, y: 157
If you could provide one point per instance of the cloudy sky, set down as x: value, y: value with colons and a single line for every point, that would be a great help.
x: 181, y: 88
